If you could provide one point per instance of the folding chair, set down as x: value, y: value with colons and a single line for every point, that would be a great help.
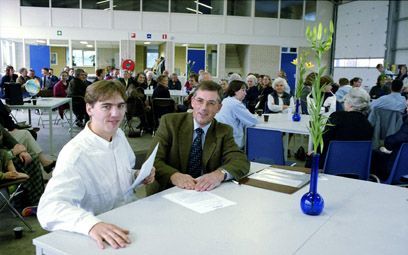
x: 160, y: 107
x: 349, y: 158
x: 399, y: 171
x: 265, y: 146
x: 7, y: 201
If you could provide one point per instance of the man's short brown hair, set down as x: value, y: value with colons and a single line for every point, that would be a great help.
x: 102, y: 90
x: 210, y: 86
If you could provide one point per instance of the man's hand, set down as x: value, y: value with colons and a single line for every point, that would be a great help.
x: 113, y: 235
x: 17, y: 149
x: 25, y: 158
x: 209, y: 181
x: 15, y: 175
x: 183, y: 181
x: 149, y: 179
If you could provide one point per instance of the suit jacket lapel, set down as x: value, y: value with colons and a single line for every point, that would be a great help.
x: 185, y: 139
x: 209, y: 145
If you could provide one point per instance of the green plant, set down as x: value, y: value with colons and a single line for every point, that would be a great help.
x: 302, y: 65
x: 190, y: 65
x: 320, y: 39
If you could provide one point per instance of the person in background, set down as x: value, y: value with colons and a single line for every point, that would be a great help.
x: 265, y: 90
x: 23, y: 78
x: 87, y: 82
x: 402, y: 75
x: 279, y: 100
x: 47, y: 81
x: 306, y: 90
x: 151, y: 83
x: 127, y: 78
x: 204, y: 76
x: 224, y: 85
x: 329, y: 99
x: 7, y: 169
x: 10, y: 76
x: 233, y: 77
x: 234, y: 113
x: 196, y: 152
x: 94, y: 172
x: 31, y: 75
x: 76, y: 90
x: 71, y: 73
x: 350, y: 124
x: 60, y: 90
x: 394, y: 101
x: 100, y: 74
x: 282, y: 74
x: 251, y: 98
x: 356, y: 82
x: 54, y: 79
x: 140, y: 80
x: 162, y: 89
x: 380, y: 89
x: 344, y: 88
x: 380, y: 68
x: 174, y: 83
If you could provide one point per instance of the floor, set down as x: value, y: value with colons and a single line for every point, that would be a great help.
x: 10, y: 245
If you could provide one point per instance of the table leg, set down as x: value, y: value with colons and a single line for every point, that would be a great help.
x: 29, y: 116
x: 50, y: 127
x: 70, y: 117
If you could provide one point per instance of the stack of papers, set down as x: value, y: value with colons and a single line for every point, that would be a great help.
x: 281, y: 176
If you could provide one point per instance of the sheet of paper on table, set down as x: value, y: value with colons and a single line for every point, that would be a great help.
x: 201, y: 202
x: 281, y: 176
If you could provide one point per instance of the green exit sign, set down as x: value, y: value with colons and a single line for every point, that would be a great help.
x: 59, y: 32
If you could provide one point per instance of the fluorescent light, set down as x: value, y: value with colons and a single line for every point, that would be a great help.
x: 89, y: 46
x: 185, y: 45
x: 147, y: 43
x: 101, y: 2
x: 193, y: 10
x: 107, y: 9
x: 41, y: 41
x: 83, y: 42
x: 206, y: 6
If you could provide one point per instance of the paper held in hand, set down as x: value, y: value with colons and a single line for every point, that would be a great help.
x: 281, y: 176
x: 144, y: 170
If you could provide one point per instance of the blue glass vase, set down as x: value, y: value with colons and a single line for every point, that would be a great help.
x: 296, y: 115
x: 312, y: 203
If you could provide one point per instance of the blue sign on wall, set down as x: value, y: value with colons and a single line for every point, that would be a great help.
x: 39, y: 58
x: 196, y: 56
x: 149, y: 36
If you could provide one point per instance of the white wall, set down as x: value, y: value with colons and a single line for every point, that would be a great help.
x: 361, y: 33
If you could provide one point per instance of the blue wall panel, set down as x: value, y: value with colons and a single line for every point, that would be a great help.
x: 198, y: 57
x: 39, y: 58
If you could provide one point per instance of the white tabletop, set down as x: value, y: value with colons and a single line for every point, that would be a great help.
x: 359, y: 218
x: 283, y: 122
x: 179, y: 93
x: 43, y: 103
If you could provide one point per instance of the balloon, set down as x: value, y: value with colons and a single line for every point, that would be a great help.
x: 32, y: 87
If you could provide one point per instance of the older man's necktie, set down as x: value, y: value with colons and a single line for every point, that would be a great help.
x: 196, y: 153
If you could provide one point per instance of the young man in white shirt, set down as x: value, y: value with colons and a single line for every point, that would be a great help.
x: 93, y: 171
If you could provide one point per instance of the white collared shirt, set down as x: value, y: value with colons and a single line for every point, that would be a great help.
x: 90, y: 178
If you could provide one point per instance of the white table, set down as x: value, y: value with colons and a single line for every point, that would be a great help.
x: 47, y: 104
x: 177, y: 94
x: 283, y: 122
x: 359, y: 218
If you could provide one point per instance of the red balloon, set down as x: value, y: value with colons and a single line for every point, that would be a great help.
x: 128, y: 64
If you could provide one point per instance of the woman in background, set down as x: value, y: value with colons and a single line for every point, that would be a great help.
x: 279, y: 100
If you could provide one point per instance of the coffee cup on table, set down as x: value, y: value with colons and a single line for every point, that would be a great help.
x: 18, y: 232
x: 266, y: 117
x: 34, y: 101
x: 259, y: 112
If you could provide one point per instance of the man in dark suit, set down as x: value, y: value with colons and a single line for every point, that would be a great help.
x: 127, y: 79
x: 177, y: 135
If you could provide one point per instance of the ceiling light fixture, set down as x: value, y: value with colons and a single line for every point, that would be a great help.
x: 185, y: 45
x: 83, y: 42
x: 147, y: 43
x: 41, y: 41
x: 89, y: 46
x: 101, y: 2
x: 206, y: 6
x: 193, y: 10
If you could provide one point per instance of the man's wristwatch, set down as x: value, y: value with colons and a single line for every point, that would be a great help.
x: 225, y: 174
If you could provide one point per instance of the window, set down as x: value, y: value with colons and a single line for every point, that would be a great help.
x: 156, y: 6
x: 211, y: 60
x: 65, y: 4
x: 215, y: 7
x: 96, y: 4
x: 291, y: 9
x: 183, y: 6
x: 83, y: 58
x: 126, y: 5
x: 239, y: 7
x: 357, y: 62
x: 267, y: 9
x: 152, y: 55
x: 35, y: 3
x: 310, y: 12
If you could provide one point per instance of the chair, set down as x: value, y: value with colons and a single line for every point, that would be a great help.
x: 135, y: 116
x: 265, y: 146
x: 4, y: 184
x: 349, y: 158
x: 399, y: 170
x: 160, y: 107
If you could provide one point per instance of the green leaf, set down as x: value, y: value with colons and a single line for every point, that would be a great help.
x: 319, y: 31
